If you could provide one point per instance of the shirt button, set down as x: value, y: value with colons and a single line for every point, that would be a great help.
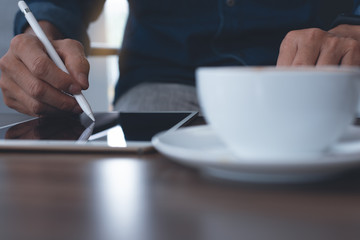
x: 230, y: 3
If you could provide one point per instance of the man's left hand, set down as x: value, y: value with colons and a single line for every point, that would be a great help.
x: 313, y: 46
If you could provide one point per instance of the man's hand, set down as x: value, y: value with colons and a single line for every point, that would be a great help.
x: 339, y: 46
x: 31, y: 82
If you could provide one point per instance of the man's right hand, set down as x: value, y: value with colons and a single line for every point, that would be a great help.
x: 31, y: 82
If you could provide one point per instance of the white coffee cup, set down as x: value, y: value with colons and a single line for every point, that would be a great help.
x: 266, y: 112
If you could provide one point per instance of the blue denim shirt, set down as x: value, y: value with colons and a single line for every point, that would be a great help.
x: 166, y: 40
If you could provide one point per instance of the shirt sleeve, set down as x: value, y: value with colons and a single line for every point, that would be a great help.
x: 352, y: 18
x: 71, y: 17
x: 356, y: 7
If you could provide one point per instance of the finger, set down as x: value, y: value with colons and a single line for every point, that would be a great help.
x: 287, y: 52
x: 73, y: 54
x: 350, y: 59
x: 33, y: 96
x: 331, y: 51
x: 306, y: 55
x: 18, y: 99
x: 13, y: 94
x: 351, y: 56
x: 30, y: 51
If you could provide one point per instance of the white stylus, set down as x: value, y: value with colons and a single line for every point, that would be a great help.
x: 53, y: 54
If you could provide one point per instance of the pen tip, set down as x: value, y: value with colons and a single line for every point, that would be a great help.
x: 91, y: 116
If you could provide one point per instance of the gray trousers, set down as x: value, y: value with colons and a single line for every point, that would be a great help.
x: 158, y: 97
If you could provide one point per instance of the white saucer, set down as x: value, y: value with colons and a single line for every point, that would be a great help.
x: 199, y: 147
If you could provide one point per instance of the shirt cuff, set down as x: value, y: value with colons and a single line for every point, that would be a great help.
x: 351, y: 19
x: 67, y: 22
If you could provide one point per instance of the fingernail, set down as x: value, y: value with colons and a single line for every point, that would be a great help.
x: 83, y: 80
x: 74, y: 89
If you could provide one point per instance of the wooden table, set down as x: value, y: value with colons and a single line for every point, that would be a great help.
x: 128, y: 196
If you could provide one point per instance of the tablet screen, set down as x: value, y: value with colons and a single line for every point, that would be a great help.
x: 111, y: 131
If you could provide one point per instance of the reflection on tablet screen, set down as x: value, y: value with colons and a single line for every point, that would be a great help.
x: 112, y: 127
x: 49, y: 128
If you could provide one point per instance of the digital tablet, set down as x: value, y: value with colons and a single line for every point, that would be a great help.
x: 112, y: 131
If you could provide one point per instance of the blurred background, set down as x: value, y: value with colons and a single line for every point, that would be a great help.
x: 106, y: 31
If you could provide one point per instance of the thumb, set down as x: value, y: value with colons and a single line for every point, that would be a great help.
x: 73, y: 55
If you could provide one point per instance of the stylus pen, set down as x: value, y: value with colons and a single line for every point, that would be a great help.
x: 53, y: 54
